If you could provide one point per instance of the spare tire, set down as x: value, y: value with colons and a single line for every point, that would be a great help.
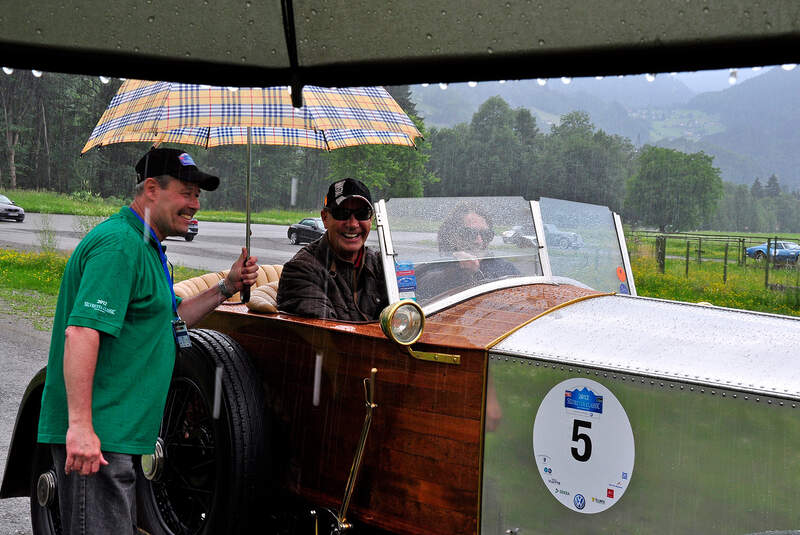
x: 207, y: 474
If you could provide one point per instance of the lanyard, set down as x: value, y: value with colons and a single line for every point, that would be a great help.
x: 163, y: 258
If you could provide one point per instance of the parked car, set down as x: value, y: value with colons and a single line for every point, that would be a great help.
x: 510, y: 405
x: 9, y: 210
x: 306, y: 231
x: 192, y: 232
x: 525, y: 236
x: 780, y: 251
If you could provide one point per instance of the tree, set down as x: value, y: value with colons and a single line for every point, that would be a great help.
x: 773, y: 187
x: 673, y: 190
x: 757, y: 190
x: 19, y: 96
x: 388, y: 171
x: 582, y: 164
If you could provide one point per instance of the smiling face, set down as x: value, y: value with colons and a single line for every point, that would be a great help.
x: 171, y: 208
x: 347, y: 237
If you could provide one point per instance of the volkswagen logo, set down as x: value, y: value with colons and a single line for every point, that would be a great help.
x: 579, y: 501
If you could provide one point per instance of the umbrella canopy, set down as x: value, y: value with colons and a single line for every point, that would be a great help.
x: 331, y: 118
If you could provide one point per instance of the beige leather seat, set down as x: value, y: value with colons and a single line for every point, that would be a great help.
x: 262, y: 295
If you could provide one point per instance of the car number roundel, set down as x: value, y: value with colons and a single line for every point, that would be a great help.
x: 583, y: 445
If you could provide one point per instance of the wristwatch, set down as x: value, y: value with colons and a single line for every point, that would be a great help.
x: 223, y: 289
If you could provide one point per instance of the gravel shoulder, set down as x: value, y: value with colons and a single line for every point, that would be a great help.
x: 23, y: 351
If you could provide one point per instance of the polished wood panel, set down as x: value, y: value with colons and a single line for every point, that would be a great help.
x: 421, y: 468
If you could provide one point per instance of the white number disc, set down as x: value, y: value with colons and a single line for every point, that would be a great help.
x: 583, y: 445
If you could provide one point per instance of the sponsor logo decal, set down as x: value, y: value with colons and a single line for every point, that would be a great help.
x: 583, y: 400
x: 185, y: 159
x: 100, y: 306
x: 609, y: 493
x: 579, y: 501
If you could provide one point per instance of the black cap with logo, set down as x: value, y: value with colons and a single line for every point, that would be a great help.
x: 341, y: 190
x: 175, y: 163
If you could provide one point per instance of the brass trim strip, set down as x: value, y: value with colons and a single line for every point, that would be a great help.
x: 441, y: 358
x: 548, y: 311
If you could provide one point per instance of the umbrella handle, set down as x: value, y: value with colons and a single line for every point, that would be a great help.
x: 245, y: 293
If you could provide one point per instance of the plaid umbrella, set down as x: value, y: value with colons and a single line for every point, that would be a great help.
x: 165, y: 112
x: 331, y: 118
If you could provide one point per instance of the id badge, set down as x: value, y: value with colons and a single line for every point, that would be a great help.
x: 181, y: 334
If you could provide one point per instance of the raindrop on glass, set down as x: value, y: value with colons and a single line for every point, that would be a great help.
x: 425, y: 85
x: 232, y: 89
x: 444, y: 12
x: 36, y: 73
x: 472, y: 84
x: 489, y: 50
x: 541, y: 42
x: 566, y: 80
x: 442, y: 86
x: 541, y: 81
x: 8, y: 70
x: 501, y: 81
x: 788, y: 66
x: 38, y: 31
x: 598, y: 77
x: 151, y: 18
x: 428, y: 36
x: 105, y: 79
x: 732, y: 75
x: 650, y: 77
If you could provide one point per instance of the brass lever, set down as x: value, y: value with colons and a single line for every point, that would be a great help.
x: 369, y: 396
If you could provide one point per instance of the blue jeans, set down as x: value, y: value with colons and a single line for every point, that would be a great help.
x: 102, y: 503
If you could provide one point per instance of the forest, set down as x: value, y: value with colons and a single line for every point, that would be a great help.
x: 47, y: 119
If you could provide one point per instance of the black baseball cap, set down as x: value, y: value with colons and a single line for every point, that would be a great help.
x: 175, y: 163
x: 341, y: 190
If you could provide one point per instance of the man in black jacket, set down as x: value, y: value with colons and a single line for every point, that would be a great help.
x: 337, y: 276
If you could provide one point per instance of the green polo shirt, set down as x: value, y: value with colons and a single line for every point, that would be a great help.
x: 114, y: 283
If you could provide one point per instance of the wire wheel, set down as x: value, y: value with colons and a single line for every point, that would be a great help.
x: 207, y: 479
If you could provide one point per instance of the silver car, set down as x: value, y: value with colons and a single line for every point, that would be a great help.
x: 9, y: 210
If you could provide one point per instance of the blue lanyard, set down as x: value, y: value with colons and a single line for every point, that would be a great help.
x: 163, y: 258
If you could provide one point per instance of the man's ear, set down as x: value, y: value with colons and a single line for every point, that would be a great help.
x: 324, y: 214
x: 151, y: 188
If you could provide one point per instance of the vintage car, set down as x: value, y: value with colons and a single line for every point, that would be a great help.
x: 548, y: 400
x: 779, y: 251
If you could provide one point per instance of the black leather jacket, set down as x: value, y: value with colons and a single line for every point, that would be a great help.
x: 319, y: 284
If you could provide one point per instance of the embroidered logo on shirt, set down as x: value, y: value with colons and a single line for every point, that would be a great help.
x: 100, y: 306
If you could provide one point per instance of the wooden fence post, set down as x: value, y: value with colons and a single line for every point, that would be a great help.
x: 687, y: 259
x: 661, y: 252
x: 743, y: 252
x: 699, y: 247
x: 766, y: 264
x: 725, y: 268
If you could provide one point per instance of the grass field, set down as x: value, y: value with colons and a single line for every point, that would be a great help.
x: 87, y: 204
x: 29, y: 284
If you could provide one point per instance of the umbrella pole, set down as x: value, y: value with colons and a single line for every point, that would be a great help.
x: 245, y: 293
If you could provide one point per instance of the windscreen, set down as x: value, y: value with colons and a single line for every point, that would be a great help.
x: 582, y: 244
x: 446, y: 245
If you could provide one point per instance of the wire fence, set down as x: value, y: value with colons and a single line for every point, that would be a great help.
x: 692, y: 250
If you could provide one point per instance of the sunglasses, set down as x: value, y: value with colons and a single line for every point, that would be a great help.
x: 470, y: 235
x: 341, y: 213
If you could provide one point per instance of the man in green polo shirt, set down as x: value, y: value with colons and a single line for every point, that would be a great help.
x: 115, y: 333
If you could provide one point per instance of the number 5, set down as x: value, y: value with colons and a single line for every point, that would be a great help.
x: 577, y: 436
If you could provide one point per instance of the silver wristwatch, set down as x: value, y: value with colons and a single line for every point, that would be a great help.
x: 223, y: 289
